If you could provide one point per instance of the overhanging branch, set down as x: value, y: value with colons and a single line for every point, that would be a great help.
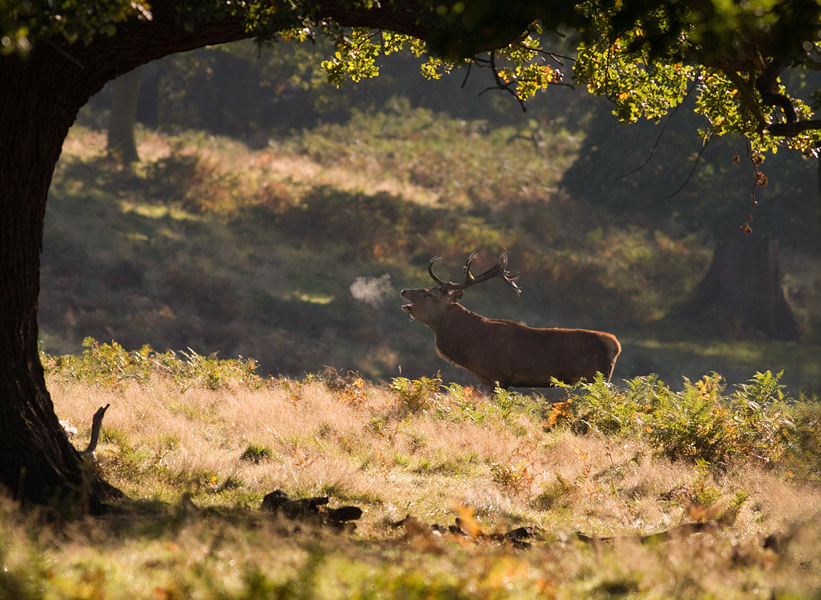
x: 791, y: 129
x: 767, y: 83
x: 502, y: 85
x: 747, y: 97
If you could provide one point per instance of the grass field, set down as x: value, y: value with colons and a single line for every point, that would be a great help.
x: 632, y: 491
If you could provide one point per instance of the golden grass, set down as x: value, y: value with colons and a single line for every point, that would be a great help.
x: 274, y: 170
x: 363, y: 445
x: 463, y: 456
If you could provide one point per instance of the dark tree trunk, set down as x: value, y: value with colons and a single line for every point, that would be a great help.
x: 148, y: 103
x: 125, y: 91
x: 741, y: 292
x: 37, y: 462
x: 39, y: 100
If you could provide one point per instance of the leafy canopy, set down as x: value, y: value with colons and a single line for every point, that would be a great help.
x: 645, y: 56
x: 22, y: 22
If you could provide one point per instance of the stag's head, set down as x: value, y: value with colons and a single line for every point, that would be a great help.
x: 428, y: 305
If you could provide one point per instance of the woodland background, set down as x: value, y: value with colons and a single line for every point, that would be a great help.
x: 272, y: 216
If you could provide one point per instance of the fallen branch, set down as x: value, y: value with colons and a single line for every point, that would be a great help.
x: 96, y: 425
x: 278, y: 502
x: 677, y: 532
x: 415, y: 528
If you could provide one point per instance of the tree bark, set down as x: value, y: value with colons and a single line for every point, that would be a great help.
x: 37, y: 462
x: 741, y: 292
x: 39, y: 100
x: 40, y: 97
x: 148, y: 101
x: 125, y: 93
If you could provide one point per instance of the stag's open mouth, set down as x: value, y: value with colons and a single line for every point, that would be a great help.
x: 406, y: 308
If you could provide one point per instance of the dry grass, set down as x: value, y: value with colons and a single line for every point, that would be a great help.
x: 461, y: 456
x: 279, y: 170
x: 363, y: 444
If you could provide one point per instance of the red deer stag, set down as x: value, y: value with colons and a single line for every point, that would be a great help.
x: 506, y: 353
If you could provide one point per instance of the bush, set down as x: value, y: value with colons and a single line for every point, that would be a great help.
x: 417, y: 394
x: 699, y: 424
x: 112, y: 366
x: 803, y: 454
x: 256, y: 453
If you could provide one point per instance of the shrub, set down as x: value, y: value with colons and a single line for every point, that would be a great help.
x: 802, y: 456
x: 112, y: 366
x: 512, y: 477
x: 417, y: 394
x: 256, y: 453
x: 699, y: 423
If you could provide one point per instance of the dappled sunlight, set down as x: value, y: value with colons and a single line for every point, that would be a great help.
x: 207, y: 244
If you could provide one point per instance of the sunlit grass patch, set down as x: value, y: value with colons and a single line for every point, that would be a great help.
x: 494, y: 462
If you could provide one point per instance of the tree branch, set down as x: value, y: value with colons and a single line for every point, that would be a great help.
x: 767, y: 83
x: 464, y: 82
x: 692, y: 171
x: 96, y: 425
x: 553, y: 55
x: 791, y: 129
x: 501, y: 85
x: 747, y: 97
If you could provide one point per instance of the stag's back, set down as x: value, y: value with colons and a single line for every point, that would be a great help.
x: 511, y: 354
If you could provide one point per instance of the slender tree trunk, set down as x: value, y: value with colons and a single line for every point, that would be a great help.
x: 148, y: 102
x: 741, y: 292
x: 125, y: 93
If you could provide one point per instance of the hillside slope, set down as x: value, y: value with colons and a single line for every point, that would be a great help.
x: 294, y: 254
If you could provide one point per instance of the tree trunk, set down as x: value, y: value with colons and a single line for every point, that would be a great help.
x: 37, y: 462
x: 741, y: 292
x: 125, y: 93
x: 39, y: 100
x: 148, y: 102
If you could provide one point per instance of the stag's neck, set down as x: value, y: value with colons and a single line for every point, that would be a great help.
x: 454, y: 316
x: 451, y: 331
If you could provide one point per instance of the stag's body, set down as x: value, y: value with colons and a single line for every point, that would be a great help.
x: 506, y: 353
x: 512, y: 355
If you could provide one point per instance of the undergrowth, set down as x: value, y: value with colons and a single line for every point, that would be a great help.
x: 113, y: 367
x: 622, y: 490
x: 701, y: 423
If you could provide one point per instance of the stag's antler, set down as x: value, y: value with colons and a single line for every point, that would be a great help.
x: 500, y: 270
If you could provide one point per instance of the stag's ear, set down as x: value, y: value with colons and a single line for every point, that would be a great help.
x: 454, y: 295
